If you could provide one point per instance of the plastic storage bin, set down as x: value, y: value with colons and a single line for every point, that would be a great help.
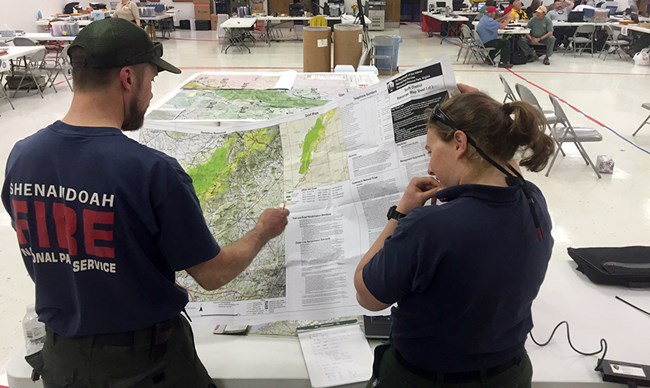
x: 386, y: 52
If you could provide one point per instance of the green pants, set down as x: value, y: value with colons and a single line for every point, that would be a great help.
x: 93, y: 362
x: 390, y: 373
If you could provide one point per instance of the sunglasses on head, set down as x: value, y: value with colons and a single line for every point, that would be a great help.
x: 156, y: 50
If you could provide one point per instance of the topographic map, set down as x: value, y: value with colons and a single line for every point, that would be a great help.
x: 314, y: 151
x: 211, y: 97
x: 236, y: 176
x: 239, y: 174
x: 233, y: 81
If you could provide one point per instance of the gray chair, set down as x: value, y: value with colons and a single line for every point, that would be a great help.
x: 4, y: 68
x: 31, y: 72
x: 510, y: 95
x: 526, y: 95
x: 576, y: 135
x: 647, y: 119
x: 61, y: 65
x: 480, y: 51
x: 613, y: 42
x: 583, y: 39
x: 466, y: 42
x: 22, y: 41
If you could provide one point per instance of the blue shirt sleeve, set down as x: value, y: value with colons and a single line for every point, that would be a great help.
x: 406, y: 263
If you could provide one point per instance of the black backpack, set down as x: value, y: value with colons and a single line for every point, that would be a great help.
x: 518, y: 55
x: 625, y: 266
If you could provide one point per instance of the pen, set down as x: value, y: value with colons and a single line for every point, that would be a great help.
x: 328, y: 324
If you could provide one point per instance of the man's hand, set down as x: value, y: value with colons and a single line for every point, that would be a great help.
x: 535, y: 40
x: 417, y: 193
x: 272, y: 222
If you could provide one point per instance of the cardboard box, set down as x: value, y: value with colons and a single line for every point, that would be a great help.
x: 201, y: 1
x: 213, y: 21
x: 202, y: 11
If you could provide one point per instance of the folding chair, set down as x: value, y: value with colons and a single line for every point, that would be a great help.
x: 575, y: 135
x: 466, y: 42
x: 526, y: 95
x: 480, y: 51
x: 579, y: 41
x: 647, y: 119
x: 4, y: 68
x: 510, y: 95
x: 62, y: 66
x: 613, y: 42
x: 30, y: 71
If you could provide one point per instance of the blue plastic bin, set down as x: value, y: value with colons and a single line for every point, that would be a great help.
x: 386, y: 46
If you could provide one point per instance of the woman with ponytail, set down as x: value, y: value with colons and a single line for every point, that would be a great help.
x: 463, y: 271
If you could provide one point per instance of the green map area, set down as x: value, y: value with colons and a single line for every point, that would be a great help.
x: 312, y: 139
x: 220, y: 105
x: 236, y: 176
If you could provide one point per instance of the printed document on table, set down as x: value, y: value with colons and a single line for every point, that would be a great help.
x: 336, y: 356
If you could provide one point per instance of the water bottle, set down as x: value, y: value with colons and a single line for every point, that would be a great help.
x: 34, y: 331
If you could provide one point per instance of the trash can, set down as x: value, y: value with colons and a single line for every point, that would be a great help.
x: 348, y: 44
x: 317, y: 49
x: 386, y: 52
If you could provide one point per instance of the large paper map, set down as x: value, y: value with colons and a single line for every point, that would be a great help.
x: 238, y: 97
x: 236, y: 176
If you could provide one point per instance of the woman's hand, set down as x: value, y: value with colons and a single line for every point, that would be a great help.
x: 417, y: 193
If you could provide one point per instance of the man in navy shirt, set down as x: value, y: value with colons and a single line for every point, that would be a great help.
x: 488, y: 31
x: 103, y: 224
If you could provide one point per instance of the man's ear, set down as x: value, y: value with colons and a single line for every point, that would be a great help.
x: 127, y: 78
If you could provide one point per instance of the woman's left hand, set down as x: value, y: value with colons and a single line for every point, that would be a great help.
x: 417, y: 193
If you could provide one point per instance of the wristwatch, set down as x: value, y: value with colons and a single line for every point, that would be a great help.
x: 393, y: 214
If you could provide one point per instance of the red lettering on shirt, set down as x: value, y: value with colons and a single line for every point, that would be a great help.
x: 92, y: 218
x: 21, y: 224
x: 41, y: 225
x: 65, y: 220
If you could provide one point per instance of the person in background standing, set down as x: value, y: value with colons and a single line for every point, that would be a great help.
x: 128, y: 10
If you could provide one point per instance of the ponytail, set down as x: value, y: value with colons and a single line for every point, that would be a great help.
x: 527, y: 131
x: 499, y: 129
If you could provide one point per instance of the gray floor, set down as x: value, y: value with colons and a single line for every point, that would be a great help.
x: 612, y: 211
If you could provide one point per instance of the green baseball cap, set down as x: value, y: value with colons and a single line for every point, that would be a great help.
x: 113, y: 42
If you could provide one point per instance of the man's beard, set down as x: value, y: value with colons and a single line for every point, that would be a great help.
x: 134, y: 117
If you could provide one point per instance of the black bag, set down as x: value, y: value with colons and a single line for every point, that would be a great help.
x: 518, y: 55
x: 625, y: 266
x: 13, y: 81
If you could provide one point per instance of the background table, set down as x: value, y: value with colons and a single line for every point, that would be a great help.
x: 237, y: 31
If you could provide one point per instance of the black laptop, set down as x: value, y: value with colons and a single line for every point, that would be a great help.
x: 576, y: 16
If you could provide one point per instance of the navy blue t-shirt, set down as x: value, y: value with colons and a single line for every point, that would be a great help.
x: 103, y: 223
x: 464, y: 275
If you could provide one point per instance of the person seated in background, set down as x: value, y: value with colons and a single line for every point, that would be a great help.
x: 541, y: 32
x: 518, y: 13
x: 488, y: 31
x: 560, y: 13
x: 296, y: 9
x: 483, y: 11
x: 530, y: 10
x: 507, y: 9
x: 585, y: 4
